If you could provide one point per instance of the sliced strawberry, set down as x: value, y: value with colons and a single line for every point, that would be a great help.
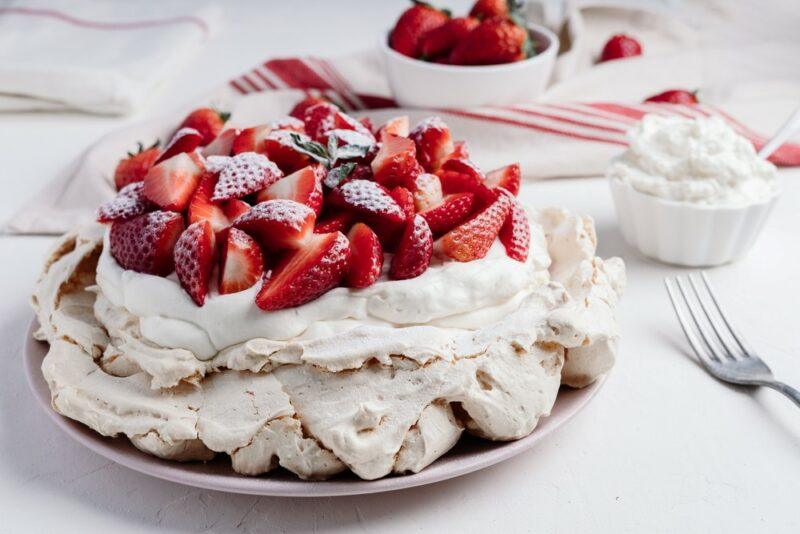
x: 184, y: 140
x: 194, y: 259
x: 234, y: 208
x: 449, y: 213
x: 129, y: 203
x: 170, y: 184
x: 515, y: 234
x: 339, y: 222
x: 461, y: 175
x: 433, y: 142
x: 133, y: 168
x: 222, y: 145
x: 343, y: 121
x: 366, y: 122
x: 414, y: 251
x: 278, y: 224
x: 395, y: 126
x: 144, y: 243
x: 460, y: 151
x: 396, y: 162
x: 405, y: 200
x: 201, y: 208
x: 280, y: 148
x: 320, y: 119
x: 241, y: 262
x: 288, y: 123
x: 368, y: 199
x: 472, y: 239
x: 366, y: 257
x: 303, y: 186
x: 242, y: 174
x: 307, y: 273
x: 251, y: 139
x: 209, y: 122
x: 299, y: 110
x: 427, y: 191
x: 507, y: 177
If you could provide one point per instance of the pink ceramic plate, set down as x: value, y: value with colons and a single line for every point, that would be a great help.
x: 469, y: 455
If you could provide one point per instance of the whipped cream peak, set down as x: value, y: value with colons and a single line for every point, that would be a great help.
x: 701, y: 161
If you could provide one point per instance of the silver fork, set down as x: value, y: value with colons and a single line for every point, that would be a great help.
x: 724, y: 354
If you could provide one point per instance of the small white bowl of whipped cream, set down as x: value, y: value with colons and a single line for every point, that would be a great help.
x: 691, y: 192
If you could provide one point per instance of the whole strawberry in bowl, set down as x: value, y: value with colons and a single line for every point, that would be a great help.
x: 490, y: 55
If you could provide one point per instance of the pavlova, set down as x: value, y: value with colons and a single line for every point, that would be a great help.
x: 322, y: 295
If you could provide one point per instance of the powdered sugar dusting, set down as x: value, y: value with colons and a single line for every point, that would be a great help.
x: 283, y: 211
x: 193, y: 254
x: 129, y: 202
x: 144, y: 244
x: 243, y: 174
x: 370, y: 197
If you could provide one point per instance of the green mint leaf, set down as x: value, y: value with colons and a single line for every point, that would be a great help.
x: 337, y: 174
x: 311, y: 148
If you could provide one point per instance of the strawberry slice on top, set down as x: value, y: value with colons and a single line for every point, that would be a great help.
x: 134, y: 168
x: 202, y: 208
x: 507, y: 177
x: 299, y: 109
x: 207, y: 122
x: 241, y: 262
x: 278, y: 224
x: 170, y: 184
x: 427, y: 191
x: 194, y: 259
x: 471, y: 240
x: 184, y: 140
x: 433, y: 143
x: 242, y: 174
x: 251, y: 139
x: 129, y: 202
x: 414, y: 251
x: 462, y: 176
x: 366, y: 257
x: 306, y: 273
x: 449, y: 213
x: 368, y: 199
x: 395, y: 126
x: 515, y: 234
x: 144, y: 244
x: 396, y: 162
x: 280, y: 148
x: 222, y: 145
x: 303, y: 186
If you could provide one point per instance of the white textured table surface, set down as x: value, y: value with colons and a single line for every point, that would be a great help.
x: 664, y: 448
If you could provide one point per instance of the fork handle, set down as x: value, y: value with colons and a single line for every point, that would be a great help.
x: 787, y: 390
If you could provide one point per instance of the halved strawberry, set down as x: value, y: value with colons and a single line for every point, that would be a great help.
x: 299, y: 109
x: 194, y: 259
x: 242, y: 174
x: 234, y: 208
x: 251, y: 139
x: 460, y: 151
x: 461, y: 175
x: 241, y: 262
x: 366, y: 257
x: 396, y: 162
x: 343, y: 121
x: 413, y: 254
x: 433, y: 142
x: 280, y: 148
x: 472, y: 239
x: 303, y: 186
x: 201, y: 207
x: 395, y: 126
x: 515, y: 234
x: 320, y: 119
x: 133, y: 168
x: 449, y: 213
x: 405, y: 200
x: 307, y: 273
x: 339, y: 222
x: 129, y: 203
x: 209, y: 122
x: 278, y: 224
x: 507, y: 177
x: 144, y: 243
x: 222, y: 145
x: 184, y: 140
x: 427, y: 191
x: 368, y: 199
x: 294, y: 124
x: 170, y: 184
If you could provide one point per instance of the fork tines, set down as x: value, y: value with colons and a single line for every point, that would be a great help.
x: 706, y: 326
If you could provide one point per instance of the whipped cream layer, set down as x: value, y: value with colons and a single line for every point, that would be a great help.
x: 701, y: 161
x: 449, y: 294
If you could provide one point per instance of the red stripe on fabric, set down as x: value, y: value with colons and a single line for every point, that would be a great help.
x: 98, y: 25
x: 263, y: 78
x: 236, y: 85
x: 563, y: 119
x: 251, y: 83
x: 618, y: 109
x: 594, y: 113
x: 296, y: 74
x: 376, y: 102
x: 337, y: 82
x: 502, y: 120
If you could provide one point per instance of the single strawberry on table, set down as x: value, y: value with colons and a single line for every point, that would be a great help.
x: 366, y: 257
x: 208, y: 122
x: 278, y: 224
x: 472, y: 239
x: 306, y: 273
x: 144, y: 244
x: 620, y: 46
x: 194, y: 259
x: 414, y: 251
x: 171, y: 183
x: 133, y: 168
x: 675, y: 96
x: 433, y: 143
x: 495, y: 41
x: 412, y: 25
x: 241, y: 262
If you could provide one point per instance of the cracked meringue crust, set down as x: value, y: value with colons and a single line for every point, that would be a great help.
x: 365, y: 393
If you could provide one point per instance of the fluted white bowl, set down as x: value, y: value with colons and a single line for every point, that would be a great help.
x: 687, y: 234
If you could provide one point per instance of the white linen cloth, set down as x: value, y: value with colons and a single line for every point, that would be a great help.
x: 100, y: 57
x: 577, y: 127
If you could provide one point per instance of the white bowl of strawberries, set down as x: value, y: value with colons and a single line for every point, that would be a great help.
x: 306, y: 203
x: 490, y: 57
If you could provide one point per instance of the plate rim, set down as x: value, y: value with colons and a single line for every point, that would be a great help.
x: 34, y: 350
